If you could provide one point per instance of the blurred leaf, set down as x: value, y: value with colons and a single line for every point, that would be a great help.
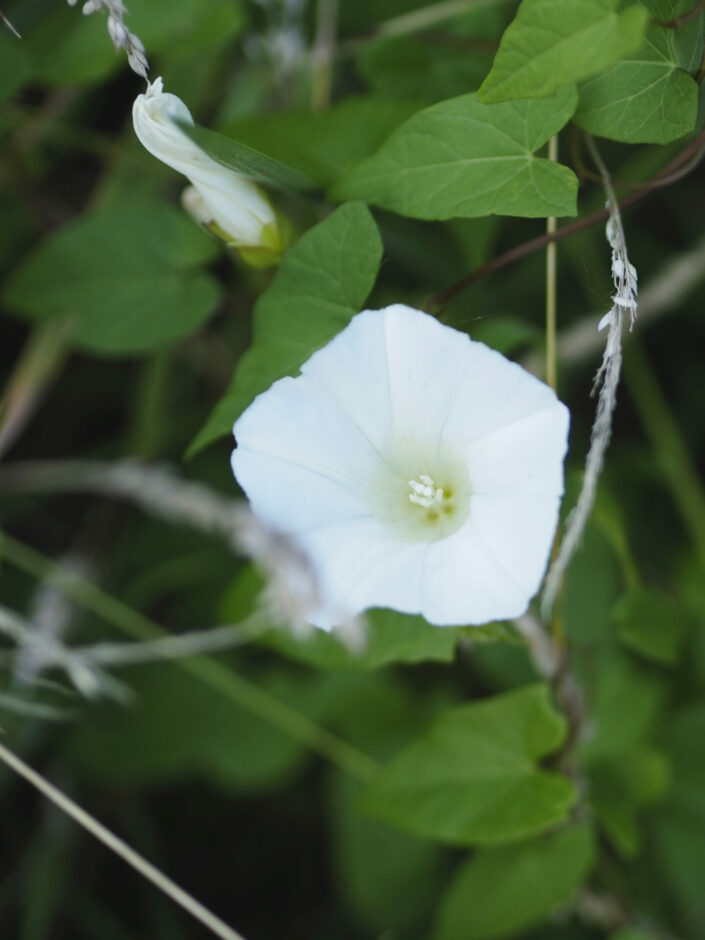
x: 67, y: 47
x: 388, y: 879
x: 423, y: 68
x: 392, y: 637
x: 625, y: 704
x: 46, y: 873
x: 680, y: 851
x: 14, y: 63
x: 505, y: 334
x: 461, y: 158
x: 592, y: 585
x: 322, y: 282
x: 501, y: 891
x: 645, y: 98
x: 667, y: 9
x: 686, y: 743
x: 128, y: 277
x: 631, y: 934
x: 472, y: 778
x: 555, y: 42
x: 650, y: 623
x: 624, y: 784
x: 190, y: 25
x: 324, y: 144
x: 179, y: 728
x: 243, y: 159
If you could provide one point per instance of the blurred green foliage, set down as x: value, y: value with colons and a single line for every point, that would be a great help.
x: 430, y: 786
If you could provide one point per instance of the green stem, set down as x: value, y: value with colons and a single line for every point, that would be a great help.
x: 214, y: 674
x: 324, y: 54
x: 145, y: 432
x: 666, y: 439
x: 428, y: 16
x: 551, y: 284
x: 40, y: 362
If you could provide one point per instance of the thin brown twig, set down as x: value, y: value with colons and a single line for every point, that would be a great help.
x: 679, y: 20
x: 682, y: 164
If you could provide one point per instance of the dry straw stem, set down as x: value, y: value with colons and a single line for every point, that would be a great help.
x: 605, y: 385
x: 209, y: 920
x: 660, y: 297
x: 39, y: 651
x: 292, y: 585
x: 231, y: 685
x: 120, y: 35
x: 9, y: 25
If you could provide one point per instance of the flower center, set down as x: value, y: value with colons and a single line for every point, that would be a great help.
x: 425, y: 493
x: 422, y: 506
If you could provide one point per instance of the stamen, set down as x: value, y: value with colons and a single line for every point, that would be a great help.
x: 425, y: 492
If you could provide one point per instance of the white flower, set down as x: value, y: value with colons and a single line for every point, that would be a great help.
x: 231, y: 204
x: 417, y: 470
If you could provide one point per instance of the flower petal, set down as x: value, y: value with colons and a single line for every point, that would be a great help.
x: 493, y: 394
x: 518, y: 531
x: 300, y: 458
x: 394, y: 371
x: 361, y: 567
x: 524, y: 458
x: 464, y: 583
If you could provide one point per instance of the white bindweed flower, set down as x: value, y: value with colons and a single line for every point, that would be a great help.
x: 417, y: 470
x: 234, y: 207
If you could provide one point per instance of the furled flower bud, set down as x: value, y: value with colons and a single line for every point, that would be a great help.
x: 231, y: 205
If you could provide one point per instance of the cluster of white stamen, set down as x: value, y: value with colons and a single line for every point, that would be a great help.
x: 425, y: 492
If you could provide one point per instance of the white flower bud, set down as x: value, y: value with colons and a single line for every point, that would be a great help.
x: 238, y: 209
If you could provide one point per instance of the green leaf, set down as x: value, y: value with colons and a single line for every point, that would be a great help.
x: 650, y: 623
x: 626, y: 703
x: 243, y: 159
x: 500, y: 891
x: 128, y: 277
x: 555, y: 42
x: 473, y: 778
x: 322, y: 282
x: 461, y: 158
x: 388, y: 878
x: 392, y: 637
x: 666, y: 10
x: 324, y: 144
x: 646, y: 98
x: 621, y: 785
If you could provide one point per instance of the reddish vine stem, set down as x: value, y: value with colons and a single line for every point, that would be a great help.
x: 679, y: 20
x: 681, y: 165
